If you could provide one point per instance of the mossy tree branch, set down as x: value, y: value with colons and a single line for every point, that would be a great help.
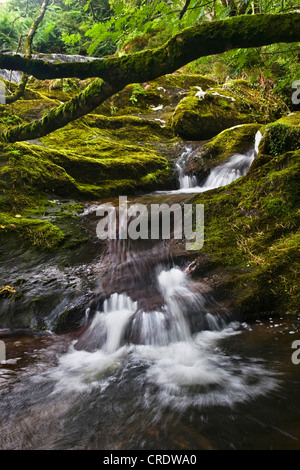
x: 97, y: 92
x: 204, y: 39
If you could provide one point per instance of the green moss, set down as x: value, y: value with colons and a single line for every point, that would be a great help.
x: 234, y: 140
x: 235, y: 103
x: 185, y: 81
x: 38, y: 233
x: 135, y: 98
x: 202, y: 119
x: 262, y: 105
x: 29, y: 110
x: 129, y: 129
x: 8, y: 118
x: 282, y: 135
x: 90, y: 163
x: 29, y: 176
x: 252, y: 230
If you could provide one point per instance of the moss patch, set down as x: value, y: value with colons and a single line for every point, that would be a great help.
x: 201, y: 117
x: 92, y: 157
x: 282, y: 135
x: 93, y: 162
x: 38, y: 233
x: 142, y: 98
x: 252, y: 230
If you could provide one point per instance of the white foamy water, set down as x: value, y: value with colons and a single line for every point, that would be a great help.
x: 187, y: 369
x: 258, y: 137
x: 200, y: 373
x: 174, y: 285
x: 222, y: 175
x: 227, y: 172
x: 185, y: 181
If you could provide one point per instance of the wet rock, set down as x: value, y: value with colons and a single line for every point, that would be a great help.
x: 204, y: 114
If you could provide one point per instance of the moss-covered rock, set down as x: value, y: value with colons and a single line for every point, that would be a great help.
x: 31, y: 109
x: 203, y: 115
x: 282, y: 135
x: 39, y: 233
x: 238, y: 139
x: 252, y: 236
x: 92, y: 163
x: 92, y: 156
x: 145, y: 98
x: 202, y: 119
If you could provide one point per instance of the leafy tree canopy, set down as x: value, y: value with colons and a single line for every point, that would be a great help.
x: 103, y: 27
x: 121, y: 28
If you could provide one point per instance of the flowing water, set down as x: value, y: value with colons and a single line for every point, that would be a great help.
x: 159, y: 364
x: 225, y: 173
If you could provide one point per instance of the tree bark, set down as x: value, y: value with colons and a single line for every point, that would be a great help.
x: 184, y: 9
x: 28, y: 52
x: 204, y: 39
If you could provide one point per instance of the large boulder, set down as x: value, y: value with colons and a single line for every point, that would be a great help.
x: 203, y: 114
x: 239, y: 139
x: 281, y: 136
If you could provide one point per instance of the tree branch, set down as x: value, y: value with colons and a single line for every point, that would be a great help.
x: 89, y: 99
x: 184, y: 9
x: 28, y: 52
x: 204, y: 39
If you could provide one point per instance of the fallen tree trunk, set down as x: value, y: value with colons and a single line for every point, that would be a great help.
x: 205, y: 39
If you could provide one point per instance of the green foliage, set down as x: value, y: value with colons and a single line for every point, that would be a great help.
x: 137, y: 91
x: 62, y: 30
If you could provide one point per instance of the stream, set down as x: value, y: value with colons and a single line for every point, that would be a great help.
x: 159, y: 364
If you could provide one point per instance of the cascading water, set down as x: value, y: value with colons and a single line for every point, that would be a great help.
x: 235, y: 167
x: 185, y: 181
x: 162, y: 341
x: 176, y: 341
x: 227, y: 172
x: 157, y: 365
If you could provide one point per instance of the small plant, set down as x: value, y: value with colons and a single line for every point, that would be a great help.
x: 69, y: 85
x: 8, y: 119
x: 113, y: 110
x: 137, y: 92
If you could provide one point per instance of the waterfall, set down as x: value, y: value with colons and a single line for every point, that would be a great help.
x: 107, y: 329
x: 237, y: 166
x: 157, y: 350
x: 120, y: 320
x: 225, y: 173
x: 258, y: 138
x: 170, y: 350
x: 164, y: 337
x: 185, y: 181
